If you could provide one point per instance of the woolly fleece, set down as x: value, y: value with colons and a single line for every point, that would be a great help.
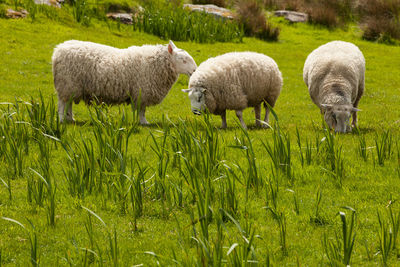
x: 238, y: 80
x: 334, y: 74
x: 89, y: 71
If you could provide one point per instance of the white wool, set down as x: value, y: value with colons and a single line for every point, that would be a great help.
x: 335, y: 76
x: 339, y: 63
x: 235, y: 81
x: 90, y: 71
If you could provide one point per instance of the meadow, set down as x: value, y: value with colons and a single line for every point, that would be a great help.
x: 181, y: 191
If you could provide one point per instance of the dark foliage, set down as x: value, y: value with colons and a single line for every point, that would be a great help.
x: 220, y: 3
x: 251, y: 16
x: 380, y: 20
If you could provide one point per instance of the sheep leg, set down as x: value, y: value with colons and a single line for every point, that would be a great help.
x: 355, y: 119
x: 69, y: 111
x: 266, y: 118
x: 62, y: 115
x: 142, y: 117
x: 61, y: 109
x: 257, y: 111
x: 239, y: 114
x: 223, y: 117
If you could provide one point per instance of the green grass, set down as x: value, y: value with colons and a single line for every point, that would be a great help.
x: 162, y: 197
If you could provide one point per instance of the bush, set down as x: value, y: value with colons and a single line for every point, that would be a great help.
x: 293, y: 5
x: 173, y: 22
x: 331, y: 13
x: 220, y: 3
x: 380, y: 20
x: 323, y: 15
x: 251, y: 16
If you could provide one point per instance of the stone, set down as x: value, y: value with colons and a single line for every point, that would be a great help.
x: 12, y: 14
x: 218, y: 12
x: 125, y: 18
x: 292, y: 16
x: 53, y: 3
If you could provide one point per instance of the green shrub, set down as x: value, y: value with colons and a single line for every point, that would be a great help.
x: 3, y: 10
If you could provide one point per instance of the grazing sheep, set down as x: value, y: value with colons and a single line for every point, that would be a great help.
x: 94, y: 72
x: 334, y: 74
x: 235, y: 81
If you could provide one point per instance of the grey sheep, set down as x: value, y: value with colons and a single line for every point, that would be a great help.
x: 335, y: 76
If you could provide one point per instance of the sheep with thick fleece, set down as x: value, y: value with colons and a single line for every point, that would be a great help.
x: 235, y: 81
x: 94, y: 72
x: 334, y: 74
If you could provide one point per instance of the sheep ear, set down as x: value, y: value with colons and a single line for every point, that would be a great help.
x: 186, y: 90
x: 171, y: 47
x: 203, y: 90
x: 355, y: 109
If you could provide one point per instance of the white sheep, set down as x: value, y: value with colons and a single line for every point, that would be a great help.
x: 334, y: 74
x: 235, y: 81
x: 94, y: 72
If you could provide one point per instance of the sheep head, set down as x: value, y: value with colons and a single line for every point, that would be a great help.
x: 337, y: 116
x: 182, y: 61
x: 197, y: 99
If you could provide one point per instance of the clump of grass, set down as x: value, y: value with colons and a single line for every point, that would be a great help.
x: 305, y: 157
x: 362, y: 148
x: 44, y: 117
x: 228, y: 196
x: 340, y: 249
x: 388, y: 233
x: 33, y: 240
x: 251, y: 16
x: 271, y: 195
x: 252, y: 173
x: 317, y: 218
x: 173, y: 22
x: 7, y: 185
x: 334, y: 156
x: 113, y: 251
x: 81, y: 12
x: 280, y: 153
x: 383, y: 145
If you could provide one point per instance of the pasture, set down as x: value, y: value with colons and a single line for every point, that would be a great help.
x: 106, y: 191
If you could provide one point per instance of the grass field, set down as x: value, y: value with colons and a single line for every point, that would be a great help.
x: 105, y: 191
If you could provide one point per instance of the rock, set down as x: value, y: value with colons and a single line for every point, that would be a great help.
x: 125, y: 18
x: 292, y: 16
x: 218, y: 12
x: 12, y: 14
x: 53, y: 3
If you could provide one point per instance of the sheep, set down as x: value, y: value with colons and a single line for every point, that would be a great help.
x: 94, y: 72
x: 334, y: 74
x: 235, y: 81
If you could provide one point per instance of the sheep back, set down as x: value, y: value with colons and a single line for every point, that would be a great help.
x: 89, y: 71
x: 238, y: 80
x: 334, y: 73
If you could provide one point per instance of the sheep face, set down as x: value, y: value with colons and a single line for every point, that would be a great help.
x: 197, y: 99
x: 337, y: 116
x: 183, y: 62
